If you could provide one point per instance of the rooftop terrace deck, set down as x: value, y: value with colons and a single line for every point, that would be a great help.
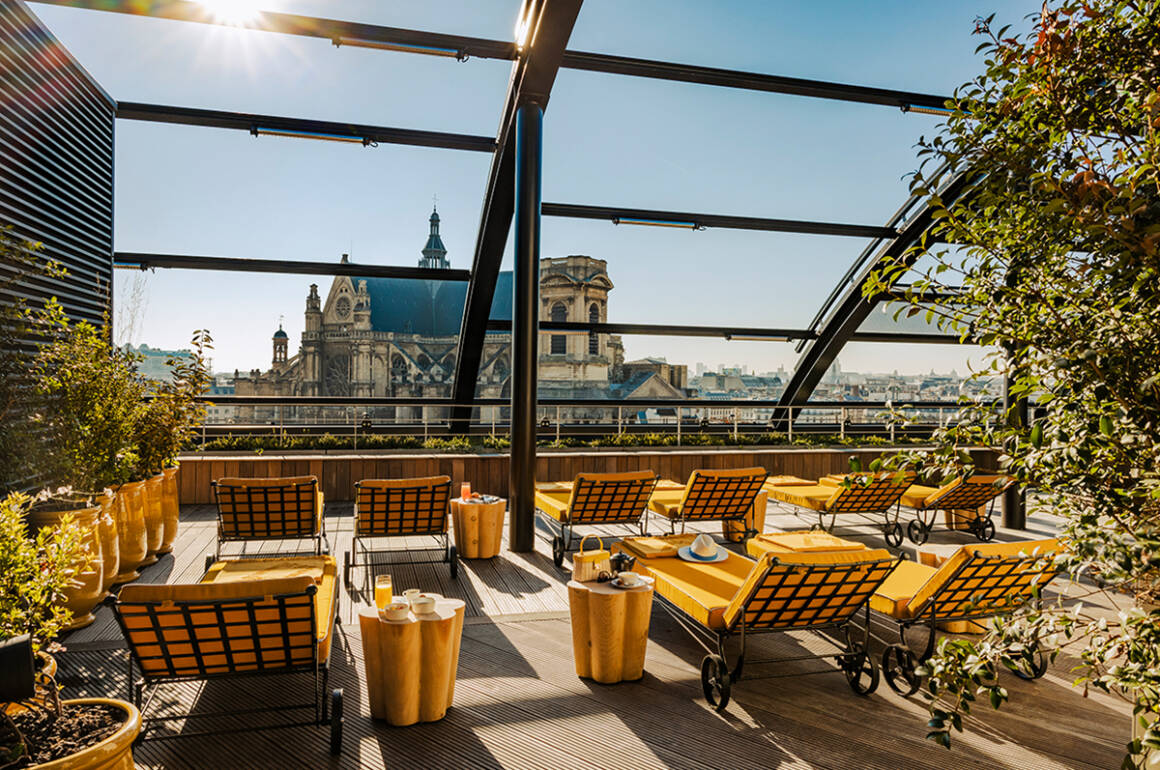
x: 518, y: 702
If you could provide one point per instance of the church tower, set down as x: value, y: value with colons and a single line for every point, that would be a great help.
x: 281, y: 344
x: 434, y: 253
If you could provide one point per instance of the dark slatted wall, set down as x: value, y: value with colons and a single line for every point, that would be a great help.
x: 56, y: 163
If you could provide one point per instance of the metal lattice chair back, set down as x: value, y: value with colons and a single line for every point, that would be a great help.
x: 989, y: 585
x: 719, y: 495
x: 969, y: 493
x: 263, y: 626
x: 259, y: 509
x: 802, y: 591
x: 869, y: 493
x: 605, y: 498
x: 402, y: 506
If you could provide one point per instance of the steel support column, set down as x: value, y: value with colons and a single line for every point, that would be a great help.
x: 525, y: 326
x: 1015, y: 498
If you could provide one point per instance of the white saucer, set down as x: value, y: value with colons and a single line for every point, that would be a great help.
x: 644, y: 581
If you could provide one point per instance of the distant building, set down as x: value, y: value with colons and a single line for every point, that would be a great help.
x: 154, y: 362
x: 676, y: 376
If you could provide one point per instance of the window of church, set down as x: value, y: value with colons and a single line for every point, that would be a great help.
x: 559, y: 345
x: 593, y: 338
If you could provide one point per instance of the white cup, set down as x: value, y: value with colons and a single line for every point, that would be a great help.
x: 629, y: 579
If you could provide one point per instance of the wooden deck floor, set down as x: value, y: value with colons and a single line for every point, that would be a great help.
x: 518, y: 702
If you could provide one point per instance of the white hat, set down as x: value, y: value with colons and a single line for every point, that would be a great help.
x: 703, y: 549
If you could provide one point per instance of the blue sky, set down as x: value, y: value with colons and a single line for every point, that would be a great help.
x: 608, y: 141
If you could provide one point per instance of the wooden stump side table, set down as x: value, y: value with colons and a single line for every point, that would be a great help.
x: 609, y: 630
x: 478, y: 528
x: 410, y: 664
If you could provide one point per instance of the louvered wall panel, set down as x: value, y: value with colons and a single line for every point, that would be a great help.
x: 56, y: 164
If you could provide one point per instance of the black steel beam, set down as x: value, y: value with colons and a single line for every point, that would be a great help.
x: 852, y: 309
x: 246, y: 265
x: 225, y: 400
x: 550, y: 25
x: 732, y: 333
x: 242, y: 121
x: 618, y: 215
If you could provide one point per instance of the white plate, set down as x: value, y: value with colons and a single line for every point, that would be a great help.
x: 644, y: 581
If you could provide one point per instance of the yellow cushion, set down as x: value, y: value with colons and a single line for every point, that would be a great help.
x: 894, y: 595
x: 799, y: 542
x: 942, y: 579
x: 667, y: 502
x: 702, y: 591
x: 788, y: 481
x: 813, y: 497
x: 273, y: 481
x: 916, y: 494
x: 785, y: 591
x: 554, y: 503
x: 657, y: 546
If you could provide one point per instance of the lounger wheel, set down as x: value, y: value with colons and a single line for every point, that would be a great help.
x: 985, y: 530
x: 898, y: 665
x: 453, y: 557
x: 208, y: 561
x: 336, y: 721
x: 715, y: 681
x: 893, y: 534
x: 861, y: 671
x: 1031, y: 666
x: 558, y: 551
x: 917, y: 532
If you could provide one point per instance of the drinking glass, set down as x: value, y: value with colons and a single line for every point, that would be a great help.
x: 383, y: 594
x: 465, y: 490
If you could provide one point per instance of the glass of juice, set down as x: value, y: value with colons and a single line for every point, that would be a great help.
x: 383, y: 594
x: 465, y: 490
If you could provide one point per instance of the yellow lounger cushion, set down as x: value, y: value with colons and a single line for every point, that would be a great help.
x: 667, y: 502
x: 657, y: 546
x: 894, y: 595
x: 802, y: 541
x: 813, y: 497
x: 702, y: 591
x: 554, y: 503
x: 597, y: 498
x: 788, y: 481
x: 915, y: 496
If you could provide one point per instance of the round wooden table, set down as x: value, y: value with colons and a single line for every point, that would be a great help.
x: 478, y: 528
x: 609, y: 630
x: 410, y: 664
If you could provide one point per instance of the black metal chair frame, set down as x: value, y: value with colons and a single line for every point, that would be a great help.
x: 891, y: 526
x: 982, y: 527
x: 853, y: 657
x: 327, y: 704
x: 440, y: 531
x: 563, y: 528
x: 899, y: 663
x: 290, y: 495
x: 714, y: 484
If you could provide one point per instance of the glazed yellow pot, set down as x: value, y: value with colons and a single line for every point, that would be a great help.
x: 113, y: 753
x: 87, y: 589
x: 131, y: 539
x: 154, y: 521
x: 110, y: 547
x: 170, y: 509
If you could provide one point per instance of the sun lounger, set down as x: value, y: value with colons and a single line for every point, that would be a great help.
x: 868, y: 495
x: 386, y: 508
x: 738, y: 597
x: 268, y: 509
x: 972, y: 499
x: 712, y: 495
x: 249, y: 617
x: 979, y: 581
x: 593, y: 499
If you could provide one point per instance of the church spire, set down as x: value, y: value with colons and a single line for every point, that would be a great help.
x: 434, y: 253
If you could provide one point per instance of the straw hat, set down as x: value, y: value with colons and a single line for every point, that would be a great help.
x: 703, y: 550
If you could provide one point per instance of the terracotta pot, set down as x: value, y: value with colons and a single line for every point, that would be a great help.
x: 110, y: 546
x: 131, y: 539
x: 113, y: 753
x: 154, y: 522
x: 170, y: 509
x: 87, y: 590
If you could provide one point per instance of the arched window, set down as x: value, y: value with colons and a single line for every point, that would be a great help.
x: 593, y: 339
x: 559, y: 341
x: 423, y: 362
x: 398, y: 368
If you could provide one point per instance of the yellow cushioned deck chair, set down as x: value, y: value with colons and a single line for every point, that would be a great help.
x: 268, y: 509
x: 593, y: 499
x: 978, y: 581
x: 967, y: 495
x: 784, y: 592
x: 862, y: 494
x: 248, y: 617
x: 712, y: 495
x: 401, y: 508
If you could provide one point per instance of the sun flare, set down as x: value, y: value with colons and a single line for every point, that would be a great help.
x: 238, y: 13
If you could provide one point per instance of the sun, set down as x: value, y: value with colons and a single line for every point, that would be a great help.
x: 238, y: 13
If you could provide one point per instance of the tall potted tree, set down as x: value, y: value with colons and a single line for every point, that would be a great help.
x: 1056, y: 266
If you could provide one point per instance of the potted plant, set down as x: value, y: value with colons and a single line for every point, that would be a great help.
x: 89, y: 397
x: 169, y: 417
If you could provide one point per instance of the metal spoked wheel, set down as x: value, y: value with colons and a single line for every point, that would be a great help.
x: 715, y: 681
x: 899, y: 666
x: 453, y: 557
x: 1031, y: 665
x: 558, y: 551
x: 985, y: 530
x: 917, y: 532
x: 336, y: 721
x: 893, y: 534
x: 861, y: 671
